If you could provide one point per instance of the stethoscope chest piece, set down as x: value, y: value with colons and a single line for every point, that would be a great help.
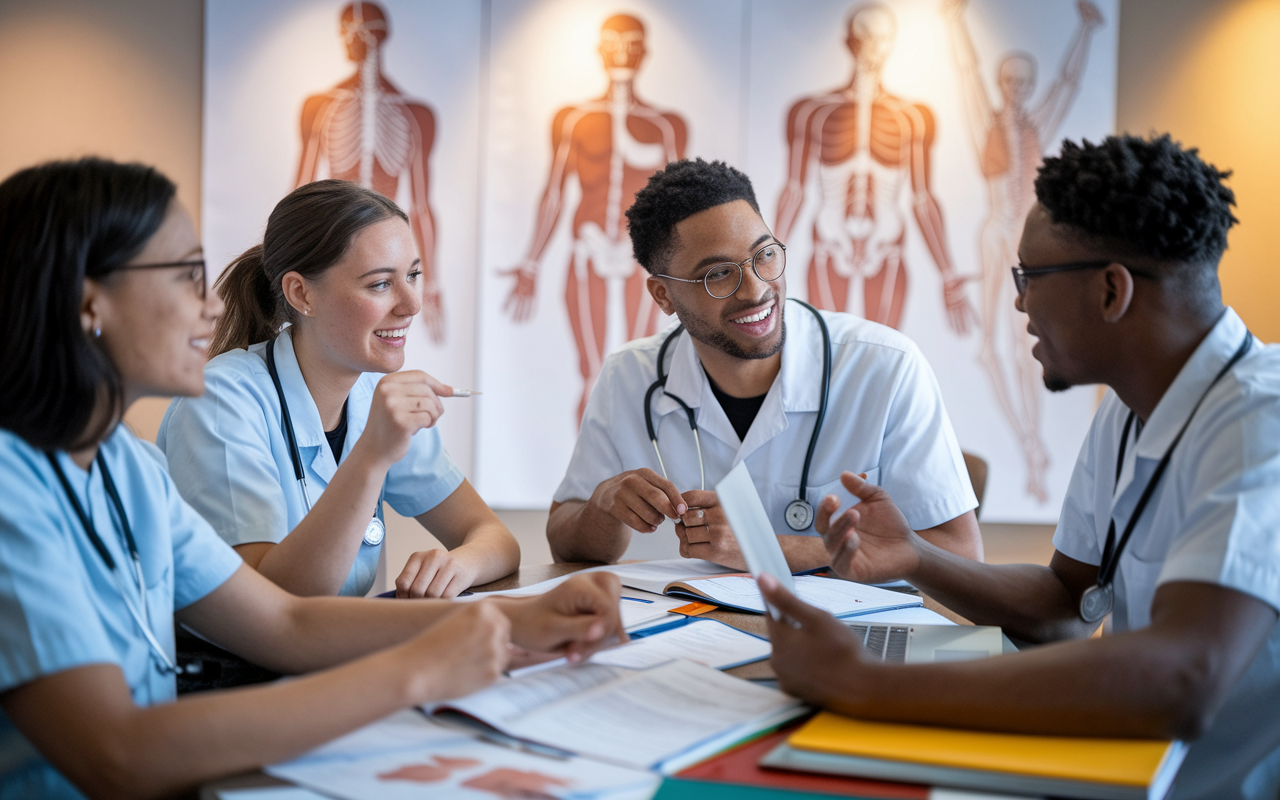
x: 799, y: 515
x: 375, y: 533
x: 1096, y: 602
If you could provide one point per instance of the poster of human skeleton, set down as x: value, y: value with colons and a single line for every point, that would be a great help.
x: 586, y: 101
x: 898, y: 170
x: 893, y: 147
x: 386, y: 94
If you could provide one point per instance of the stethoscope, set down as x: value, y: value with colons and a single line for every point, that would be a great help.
x: 164, y: 664
x: 1098, y: 600
x: 376, y: 530
x: 799, y: 512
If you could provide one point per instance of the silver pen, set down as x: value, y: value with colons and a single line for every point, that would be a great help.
x: 465, y: 392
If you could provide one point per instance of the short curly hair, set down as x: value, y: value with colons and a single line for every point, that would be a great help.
x: 674, y: 194
x: 1149, y: 197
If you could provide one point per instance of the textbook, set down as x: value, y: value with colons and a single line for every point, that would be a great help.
x: 662, y: 718
x: 694, y: 579
x: 1093, y: 769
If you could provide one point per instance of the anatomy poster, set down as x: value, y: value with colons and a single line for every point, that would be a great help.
x: 586, y: 101
x: 385, y: 94
x: 893, y: 147
x: 898, y: 168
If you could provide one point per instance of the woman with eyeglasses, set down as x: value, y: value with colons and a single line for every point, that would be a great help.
x: 306, y: 427
x: 99, y: 554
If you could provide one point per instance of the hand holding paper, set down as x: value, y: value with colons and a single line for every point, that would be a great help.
x: 751, y: 526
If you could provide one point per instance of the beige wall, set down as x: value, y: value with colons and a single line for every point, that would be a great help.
x: 123, y: 79
x: 120, y: 79
x: 1209, y: 72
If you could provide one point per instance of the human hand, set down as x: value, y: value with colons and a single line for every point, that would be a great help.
x: 434, y: 573
x: 640, y: 499
x: 575, y: 619
x: 959, y: 311
x: 403, y: 404
x: 704, y: 531
x: 870, y: 542
x: 1089, y: 14
x: 815, y: 657
x: 520, y: 302
x: 463, y: 651
x: 433, y: 312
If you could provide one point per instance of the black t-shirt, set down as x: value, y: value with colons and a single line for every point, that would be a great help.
x: 741, y: 411
x: 338, y: 436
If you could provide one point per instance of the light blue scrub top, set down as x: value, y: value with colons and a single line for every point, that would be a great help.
x: 229, y: 457
x: 61, y: 608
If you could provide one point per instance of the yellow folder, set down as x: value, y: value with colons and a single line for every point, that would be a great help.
x: 1123, y: 762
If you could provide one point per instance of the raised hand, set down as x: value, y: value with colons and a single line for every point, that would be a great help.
x: 870, y: 542
x: 403, y: 404
x: 640, y: 499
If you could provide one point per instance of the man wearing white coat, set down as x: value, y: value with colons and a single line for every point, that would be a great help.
x: 746, y: 368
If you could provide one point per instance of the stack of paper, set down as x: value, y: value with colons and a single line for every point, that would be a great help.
x: 661, y: 718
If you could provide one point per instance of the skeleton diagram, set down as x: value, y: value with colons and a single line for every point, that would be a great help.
x: 870, y: 152
x: 366, y: 131
x: 1009, y: 142
x: 612, y: 144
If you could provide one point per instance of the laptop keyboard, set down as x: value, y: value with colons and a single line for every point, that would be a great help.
x: 883, y: 642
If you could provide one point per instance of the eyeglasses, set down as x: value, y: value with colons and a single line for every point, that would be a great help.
x: 1021, y: 272
x: 197, y: 275
x: 722, y: 280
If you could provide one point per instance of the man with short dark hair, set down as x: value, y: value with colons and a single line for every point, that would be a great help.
x: 1171, y: 522
x: 745, y: 379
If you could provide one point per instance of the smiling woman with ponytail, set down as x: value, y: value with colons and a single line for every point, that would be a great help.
x: 329, y: 295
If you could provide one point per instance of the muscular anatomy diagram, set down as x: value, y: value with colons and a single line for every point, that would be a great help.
x: 869, y: 152
x: 612, y: 145
x: 365, y: 130
x: 1009, y: 141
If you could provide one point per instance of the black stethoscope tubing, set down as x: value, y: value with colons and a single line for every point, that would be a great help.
x: 372, y: 537
x: 1098, y: 600
x: 799, y: 513
x: 165, y: 664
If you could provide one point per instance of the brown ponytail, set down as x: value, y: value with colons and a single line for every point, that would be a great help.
x: 308, y: 232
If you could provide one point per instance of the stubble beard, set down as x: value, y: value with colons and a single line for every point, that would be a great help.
x: 712, y: 337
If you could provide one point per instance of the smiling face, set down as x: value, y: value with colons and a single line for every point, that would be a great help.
x: 155, y: 328
x: 749, y: 323
x: 356, y: 315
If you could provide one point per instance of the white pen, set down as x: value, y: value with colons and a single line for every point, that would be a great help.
x: 465, y: 392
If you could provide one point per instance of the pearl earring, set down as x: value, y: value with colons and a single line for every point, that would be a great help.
x: 97, y: 332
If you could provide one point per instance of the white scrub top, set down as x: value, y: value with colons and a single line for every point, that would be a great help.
x: 61, y: 608
x: 1213, y: 518
x: 884, y: 417
x: 229, y: 457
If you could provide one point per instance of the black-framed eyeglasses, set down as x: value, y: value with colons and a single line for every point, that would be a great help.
x: 1021, y: 272
x: 722, y: 280
x: 198, y: 272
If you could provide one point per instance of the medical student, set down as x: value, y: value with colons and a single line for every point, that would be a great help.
x: 798, y: 394
x: 301, y: 434
x: 1171, y: 522
x: 102, y: 301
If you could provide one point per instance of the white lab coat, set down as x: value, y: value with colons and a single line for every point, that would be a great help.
x: 884, y: 417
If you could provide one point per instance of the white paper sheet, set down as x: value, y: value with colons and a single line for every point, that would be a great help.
x: 707, y: 642
x: 641, y: 609
x: 653, y: 576
x: 652, y: 715
x: 841, y: 598
x: 916, y: 615
x: 751, y: 527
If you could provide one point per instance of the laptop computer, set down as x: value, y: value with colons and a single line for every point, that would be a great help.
x: 909, y: 643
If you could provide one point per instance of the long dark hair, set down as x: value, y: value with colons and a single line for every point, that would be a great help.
x: 308, y: 232
x: 60, y: 223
